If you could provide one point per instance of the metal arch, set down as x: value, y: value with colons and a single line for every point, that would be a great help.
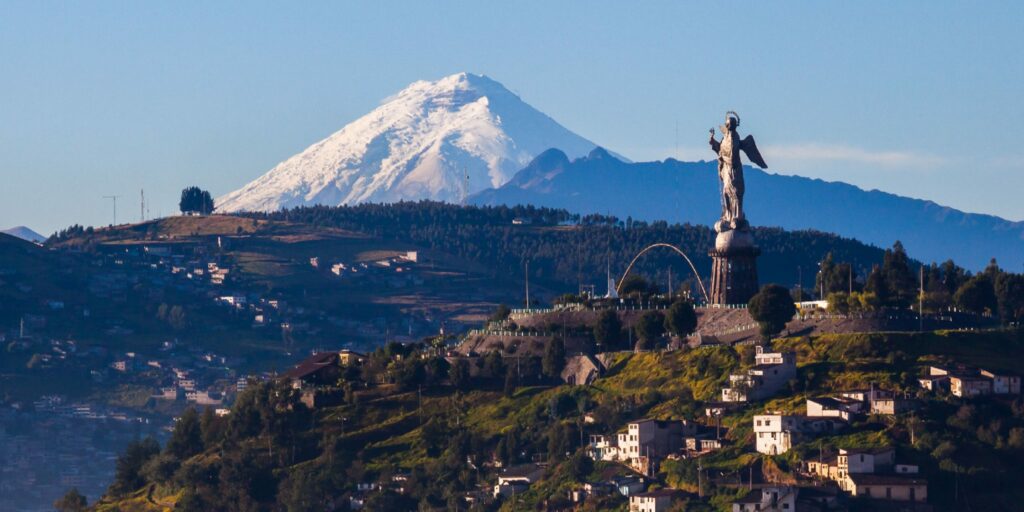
x: 703, y: 291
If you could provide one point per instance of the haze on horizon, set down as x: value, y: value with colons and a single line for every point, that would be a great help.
x: 913, y: 98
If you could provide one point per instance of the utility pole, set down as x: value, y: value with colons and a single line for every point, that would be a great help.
x: 670, y: 283
x: 114, y: 199
x: 920, y: 302
x: 700, y: 488
x: 142, y: 205
x: 799, y: 283
x: 527, y: 284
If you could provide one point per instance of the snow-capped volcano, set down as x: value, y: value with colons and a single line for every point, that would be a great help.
x: 25, y: 233
x: 422, y: 143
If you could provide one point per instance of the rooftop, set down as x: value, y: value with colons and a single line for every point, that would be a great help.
x: 873, y: 479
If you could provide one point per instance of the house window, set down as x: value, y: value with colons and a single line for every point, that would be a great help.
x: 888, y: 492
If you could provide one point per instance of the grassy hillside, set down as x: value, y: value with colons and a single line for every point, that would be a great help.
x: 428, y: 435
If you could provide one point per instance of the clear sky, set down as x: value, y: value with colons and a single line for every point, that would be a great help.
x: 107, y: 98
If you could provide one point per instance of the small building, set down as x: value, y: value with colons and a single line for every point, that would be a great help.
x: 966, y: 386
x: 316, y: 370
x: 767, y: 499
x: 650, y: 438
x: 934, y: 382
x: 517, y: 479
x: 829, y: 407
x: 774, y: 433
x: 652, y: 501
x: 893, y: 405
x: 348, y: 357
x: 870, y: 460
x: 887, y: 487
x: 628, y: 485
x: 1003, y: 383
x: 771, y: 372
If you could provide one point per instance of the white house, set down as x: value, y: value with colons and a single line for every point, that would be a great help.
x: 517, y: 479
x: 651, y: 501
x: 774, y: 433
x: 770, y: 373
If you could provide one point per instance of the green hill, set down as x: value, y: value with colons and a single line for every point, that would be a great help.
x: 443, y: 439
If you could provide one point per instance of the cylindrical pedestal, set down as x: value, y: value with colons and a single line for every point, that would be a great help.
x: 733, y: 269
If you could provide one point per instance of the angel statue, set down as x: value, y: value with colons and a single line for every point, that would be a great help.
x: 730, y: 171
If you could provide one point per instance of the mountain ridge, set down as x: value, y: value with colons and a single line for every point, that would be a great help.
x: 678, y: 191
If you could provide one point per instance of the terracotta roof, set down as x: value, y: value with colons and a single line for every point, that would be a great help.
x: 312, y: 364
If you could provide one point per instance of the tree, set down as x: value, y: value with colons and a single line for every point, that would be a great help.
x: 196, y: 200
x: 559, y: 440
x: 500, y: 313
x: 72, y: 501
x: 681, y: 319
x: 494, y: 365
x: 901, y: 281
x: 635, y: 285
x: 977, y: 295
x: 838, y: 303
x: 160, y: 469
x: 128, y: 469
x: 510, y: 382
x: 581, y: 465
x: 649, y: 327
x: 771, y: 308
x: 187, y: 438
x: 1009, y: 290
x: 833, y: 277
x: 554, y: 358
x: 212, y: 427
x: 458, y: 375
x: 607, y: 330
x: 877, y: 285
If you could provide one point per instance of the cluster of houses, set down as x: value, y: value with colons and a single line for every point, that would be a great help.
x: 642, y: 444
x: 58, y: 444
x: 967, y: 382
x: 872, y: 473
x: 396, y: 271
x: 771, y: 372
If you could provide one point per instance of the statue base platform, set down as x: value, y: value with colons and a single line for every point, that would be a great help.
x: 733, y: 267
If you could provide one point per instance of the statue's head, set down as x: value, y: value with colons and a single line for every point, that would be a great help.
x: 732, y: 120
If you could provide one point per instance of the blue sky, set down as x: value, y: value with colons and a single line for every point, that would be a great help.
x: 916, y: 98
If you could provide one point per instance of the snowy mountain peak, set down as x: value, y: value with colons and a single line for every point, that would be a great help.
x: 440, y: 140
x: 25, y: 233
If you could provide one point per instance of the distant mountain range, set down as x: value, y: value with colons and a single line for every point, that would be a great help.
x: 436, y: 140
x: 688, y: 192
x: 25, y: 233
x: 467, y: 135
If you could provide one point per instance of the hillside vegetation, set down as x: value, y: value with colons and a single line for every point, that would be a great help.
x: 273, y: 453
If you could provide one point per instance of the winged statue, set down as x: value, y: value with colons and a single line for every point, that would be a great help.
x: 730, y: 170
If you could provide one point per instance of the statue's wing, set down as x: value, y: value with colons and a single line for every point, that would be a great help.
x: 750, y: 148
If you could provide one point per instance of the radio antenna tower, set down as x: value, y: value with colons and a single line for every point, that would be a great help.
x: 114, y: 199
x: 142, y: 205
